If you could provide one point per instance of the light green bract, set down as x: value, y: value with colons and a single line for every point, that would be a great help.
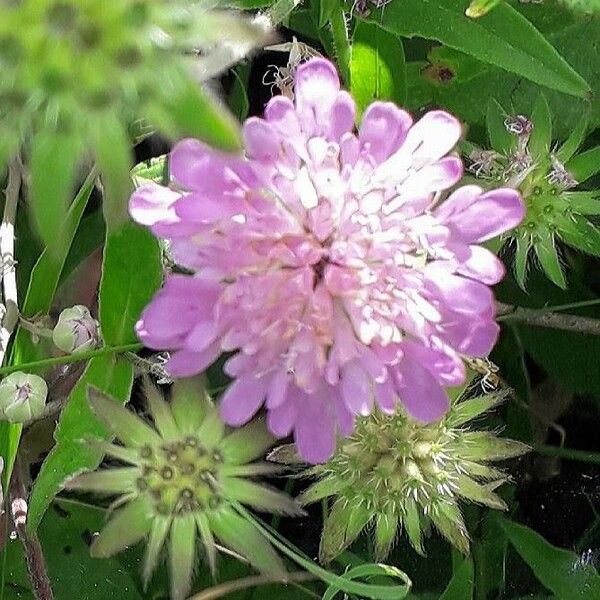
x: 549, y: 176
x: 183, y: 475
x: 396, y: 474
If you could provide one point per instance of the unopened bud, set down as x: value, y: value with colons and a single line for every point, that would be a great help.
x: 518, y: 125
x: 22, y: 397
x: 76, y: 330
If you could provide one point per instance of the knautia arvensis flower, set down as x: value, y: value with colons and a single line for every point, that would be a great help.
x: 184, y: 476
x: 397, y: 475
x: 548, y: 177
x: 330, y: 261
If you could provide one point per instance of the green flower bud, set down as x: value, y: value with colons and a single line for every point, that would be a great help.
x: 76, y: 330
x: 22, y: 397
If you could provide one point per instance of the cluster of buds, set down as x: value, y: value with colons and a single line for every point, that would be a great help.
x: 184, y: 478
x: 524, y: 157
x: 22, y: 397
x: 396, y: 474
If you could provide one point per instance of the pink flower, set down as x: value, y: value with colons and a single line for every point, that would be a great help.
x: 325, y: 263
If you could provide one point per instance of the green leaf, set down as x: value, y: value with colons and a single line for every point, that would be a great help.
x: 52, y: 164
x: 131, y: 273
x: 560, y: 571
x: 377, y: 66
x: 585, y: 165
x: 325, y: 10
x: 461, y: 584
x: 575, y: 139
x: 40, y: 292
x: 500, y: 139
x: 188, y: 110
x: 113, y: 154
x: 545, y: 249
x: 541, y: 136
x: 63, y: 534
x: 503, y: 38
x: 70, y: 456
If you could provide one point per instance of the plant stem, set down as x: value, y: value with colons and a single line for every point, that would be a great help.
x: 7, y: 255
x: 71, y: 358
x: 569, y: 453
x: 229, y: 587
x: 546, y: 318
x: 34, y: 556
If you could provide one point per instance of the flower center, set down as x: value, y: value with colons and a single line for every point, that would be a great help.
x: 181, y: 477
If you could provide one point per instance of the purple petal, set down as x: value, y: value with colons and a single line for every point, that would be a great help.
x: 343, y: 113
x: 314, y: 432
x: 184, y: 363
x: 482, y: 265
x: 151, y: 204
x: 433, y: 136
x: 384, y: 127
x: 261, y: 139
x: 356, y: 388
x: 445, y: 365
x: 281, y: 420
x: 385, y: 394
x: 478, y: 217
x: 420, y: 393
x: 242, y: 399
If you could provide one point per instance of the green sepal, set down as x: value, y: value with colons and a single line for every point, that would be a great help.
x: 112, y: 149
x: 156, y: 540
x: 252, y: 470
x: 578, y: 232
x: 482, y: 494
x: 127, y: 527
x: 545, y: 250
x: 520, y: 260
x: 467, y: 410
x: 386, y: 530
x: 323, y: 488
x: 541, y: 136
x: 212, y: 430
x: 243, y: 537
x: 334, y: 538
x: 128, y: 455
x: 449, y: 521
x: 52, y: 165
x: 412, y: 524
x: 106, y: 481
x: 129, y: 428
x: 500, y: 139
x: 182, y: 555
x: 575, y: 139
x: 247, y: 443
x: 483, y: 471
x: 585, y: 165
x: 208, y: 541
x: 190, y: 403
x: 260, y: 497
x: 161, y: 413
x: 483, y: 445
x: 583, y: 203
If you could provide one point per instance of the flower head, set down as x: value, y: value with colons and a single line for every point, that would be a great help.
x: 22, y: 397
x: 76, y: 330
x: 325, y: 262
x: 185, y: 474
x: 523, y: 157
x: 397, y: 475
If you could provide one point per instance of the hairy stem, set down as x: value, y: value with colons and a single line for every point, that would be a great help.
x: 71, y: 358
x: 548, y: 319
x: 34, y: 556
